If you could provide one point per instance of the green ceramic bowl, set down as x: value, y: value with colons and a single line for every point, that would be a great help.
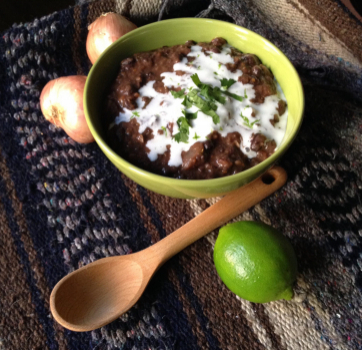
x: 178, y: 31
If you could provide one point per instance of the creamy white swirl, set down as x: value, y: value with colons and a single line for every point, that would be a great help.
x: 165, y: 108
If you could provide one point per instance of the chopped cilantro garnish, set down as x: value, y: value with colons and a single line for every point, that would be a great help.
x: 226, y: 83
x: 181, y: 137
x: 190, y: 116
x: 178, y: 94
x: 206, y: 107
x: 164, y: 130
x: 245, y: 95
x: 195, y: 78
x: 184, y: 125
x: 221, y: 128
x: 215, y: 73
x: 247, y: 121
x: 135, y: 114
x: 235, y: 96
x: 211, y: 94
x: 210, y: 56
x: 199, y: 67
x: 183, y: 134
x: 186, y: 102
x: 196, y: 137
x: 219, y: 65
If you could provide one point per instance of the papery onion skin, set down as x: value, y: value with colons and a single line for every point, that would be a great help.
x: 105, y: 30
x: 61, y: 102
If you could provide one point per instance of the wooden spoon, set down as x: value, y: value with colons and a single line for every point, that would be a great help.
x: 102, y: 291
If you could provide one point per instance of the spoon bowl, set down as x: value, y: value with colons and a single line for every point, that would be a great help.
x: 102, y: 291
x: 90, y: 296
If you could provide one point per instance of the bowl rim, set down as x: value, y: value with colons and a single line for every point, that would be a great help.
x: 192, y: 183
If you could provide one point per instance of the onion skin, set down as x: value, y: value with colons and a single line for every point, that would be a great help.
x: 61, y: 102
x: 105, y: 30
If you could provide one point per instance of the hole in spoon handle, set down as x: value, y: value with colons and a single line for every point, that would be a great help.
x: 267, y: 178
x: 236, y: 202
x: 221, y: 212
x: 275, y: 176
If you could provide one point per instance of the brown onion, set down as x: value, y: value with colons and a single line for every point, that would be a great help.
x: 61, y: 102
x: 104, y: 31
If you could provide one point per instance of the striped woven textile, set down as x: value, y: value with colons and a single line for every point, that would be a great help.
x: 64, y: 205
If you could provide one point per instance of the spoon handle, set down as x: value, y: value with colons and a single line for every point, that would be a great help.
x: 220, y: 213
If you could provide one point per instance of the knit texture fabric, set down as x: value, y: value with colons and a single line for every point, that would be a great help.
x: 64, y: 205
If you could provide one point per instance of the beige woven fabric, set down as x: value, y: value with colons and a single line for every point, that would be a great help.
x: 141, y: 8
x: 295, y: 19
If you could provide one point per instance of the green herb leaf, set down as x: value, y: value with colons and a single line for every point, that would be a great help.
x: 226, y: 83
x: 196, y: 137
x: 164, y: 130
x: 183, y: 134
x: 219, y: 65
x: 215, y: 73
x: 178, y: 94
x: 186, y: 102
x: 135, y: 114
x: 247, y: 121
x: 195, y: 78
x: 245, y: 95
x: 210, y: 94
x: 189, y: 115
x: 235, y: 96
x: 183, y: 123
x: 206, y: 107
x: 181, y: 137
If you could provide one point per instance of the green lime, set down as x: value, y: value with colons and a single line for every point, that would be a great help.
x: 255, y: 261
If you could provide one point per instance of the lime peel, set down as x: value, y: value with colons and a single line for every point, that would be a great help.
x: 287, y: 294
x: 265, y: 257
